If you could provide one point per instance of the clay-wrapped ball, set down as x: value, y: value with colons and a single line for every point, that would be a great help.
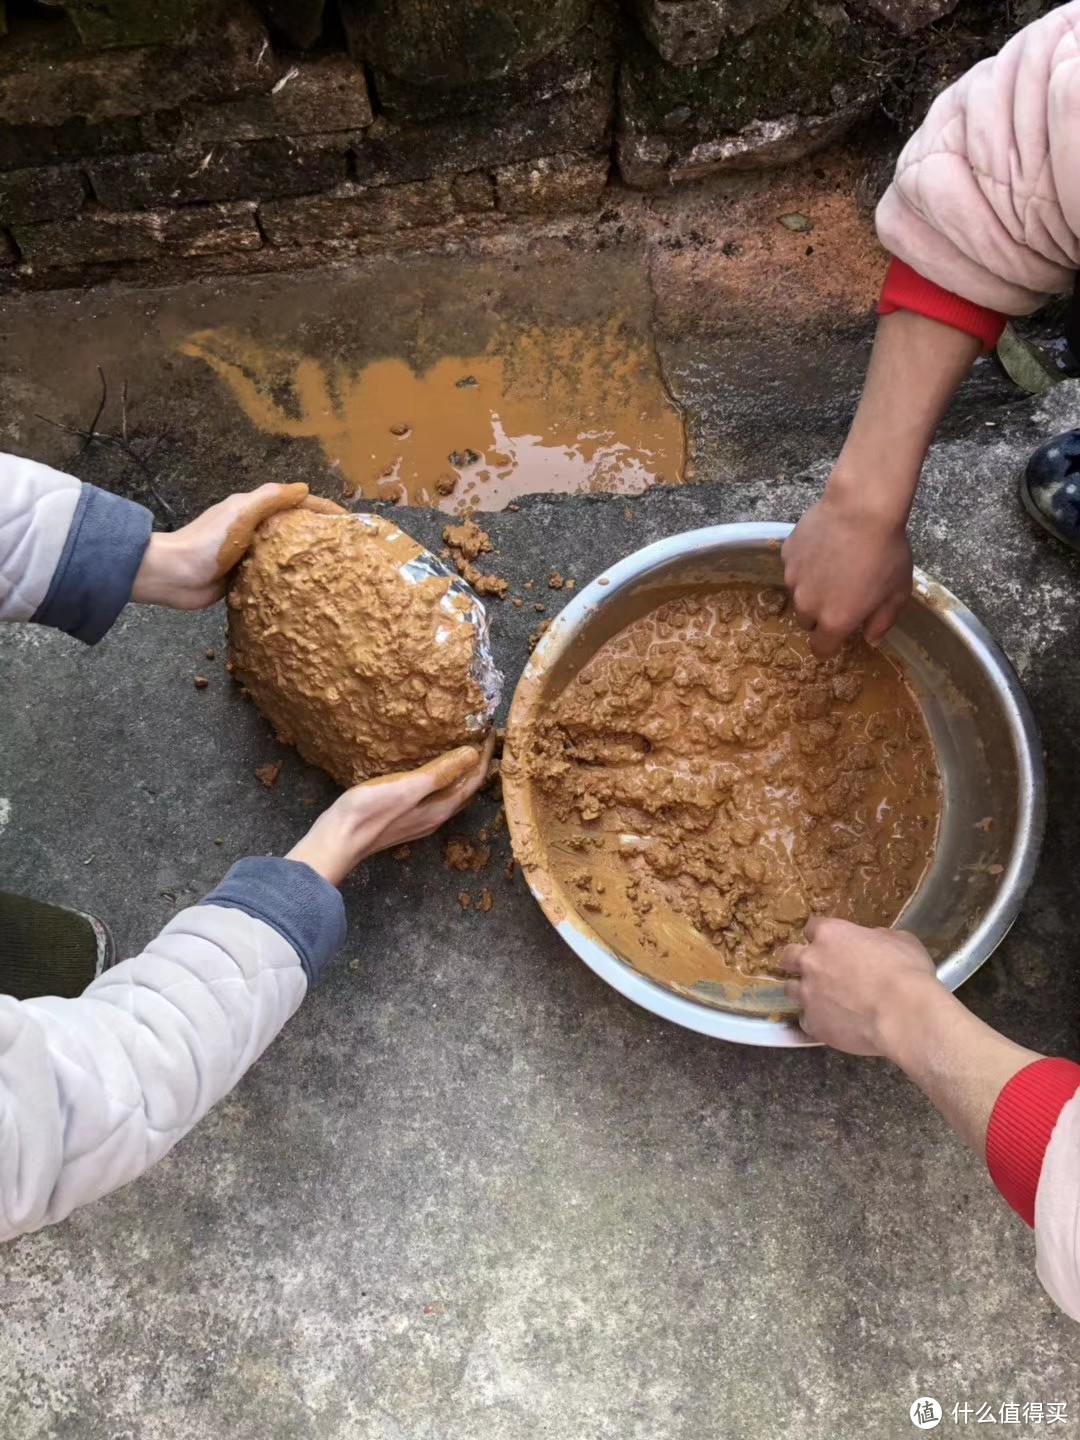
x: 358, y: 646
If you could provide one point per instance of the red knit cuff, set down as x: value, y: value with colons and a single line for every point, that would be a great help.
x: 906, y: 289
x: 1021, y: 1123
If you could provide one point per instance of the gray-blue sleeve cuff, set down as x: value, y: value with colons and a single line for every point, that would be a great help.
x: 98, y: 564
x: 289, y: 896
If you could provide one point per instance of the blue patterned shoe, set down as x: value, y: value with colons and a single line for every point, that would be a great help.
x: 1050, y: 487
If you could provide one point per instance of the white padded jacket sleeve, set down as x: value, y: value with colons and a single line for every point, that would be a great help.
x: 37, y: 506
x: 94, y: 1090
x: 69, y: 553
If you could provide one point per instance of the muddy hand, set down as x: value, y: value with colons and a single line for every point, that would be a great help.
x: 320, y: 505
x: 846, y: 567
x: 392, y: 811
x: 186, y: 569
x: 849, y: 981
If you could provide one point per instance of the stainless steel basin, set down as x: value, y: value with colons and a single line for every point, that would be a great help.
x: 983, y: 730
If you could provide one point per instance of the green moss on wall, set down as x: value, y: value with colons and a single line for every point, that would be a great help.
x: 798, y: 63
x: 461, y: 42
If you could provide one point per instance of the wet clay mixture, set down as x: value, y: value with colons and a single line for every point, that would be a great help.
x: 354, y: 651
x: 704, y: 785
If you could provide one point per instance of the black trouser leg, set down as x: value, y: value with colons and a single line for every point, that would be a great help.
x: 46, y: 949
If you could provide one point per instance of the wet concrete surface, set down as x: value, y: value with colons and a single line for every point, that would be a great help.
x: 471, y: 1192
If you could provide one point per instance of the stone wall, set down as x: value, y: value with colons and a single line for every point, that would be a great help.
x: 133, y: 133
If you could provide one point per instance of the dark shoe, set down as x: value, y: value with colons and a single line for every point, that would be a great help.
x: 1050, y: 487
x: 50, y: 950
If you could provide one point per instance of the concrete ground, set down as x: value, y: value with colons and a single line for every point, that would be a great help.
x: 471, y: 1193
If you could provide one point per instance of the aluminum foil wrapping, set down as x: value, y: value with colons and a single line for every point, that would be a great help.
x: 461, y: 606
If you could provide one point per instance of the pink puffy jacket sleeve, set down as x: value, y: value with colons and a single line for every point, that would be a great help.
x: 985, y: 203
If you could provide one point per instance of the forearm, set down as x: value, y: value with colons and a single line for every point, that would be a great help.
x: 916, y: 367
x: 959, y: 1063
x: 94, y: 1090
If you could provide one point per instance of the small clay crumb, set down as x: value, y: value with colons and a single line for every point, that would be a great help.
x: 461, y: 853
x: 463, y: 459
x: 508, y: 869
x: 483, y: 836
x: 446, y: 484
x: 481, y: 583
x: 464, y: 899
x: 603, y: 580
x: 528, y: 585
x: 486, y: 901
x: 628, y: 513
x: 229, y: 667
x: 268, y: 775
x: 498, y: 825
x: 985, y: 824
x: 200, y: 682
x: 445, y: 555
x: 399, y: 429
x: 539, y: 608
x: 570, y: 584
x: 218, y: 840
x: 513, y: 507
x: 401, y: 853
x: 518, y: 602
x: 469, y: 539
x: 556, y: 582
x: 211, y: 655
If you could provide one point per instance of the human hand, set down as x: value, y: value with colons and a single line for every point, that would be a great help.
x: 186, y: 568
x: 856, y: 987
x: 846, y: 564
x: 392, y: 811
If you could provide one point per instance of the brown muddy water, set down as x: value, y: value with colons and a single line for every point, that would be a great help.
x: 566, y: 409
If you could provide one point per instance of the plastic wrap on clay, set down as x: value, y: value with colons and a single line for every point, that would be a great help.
x: 425, y: 566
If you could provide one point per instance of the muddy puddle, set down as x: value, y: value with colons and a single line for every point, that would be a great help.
x: 566, y: 409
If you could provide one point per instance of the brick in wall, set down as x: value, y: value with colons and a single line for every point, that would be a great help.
x: 352, y: 211
x: 474, y: 191
x: 33, y: 145
x: 316, y: 95
x: 220, y: 173
x: 49, y: 193
x: 61, y: 82
x: 103, y: 235
x: 688, y: 32
x: 552, y: 185
x: 576, y: 121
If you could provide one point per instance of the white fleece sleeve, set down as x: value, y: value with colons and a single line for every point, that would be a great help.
x: 94, y: 1090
